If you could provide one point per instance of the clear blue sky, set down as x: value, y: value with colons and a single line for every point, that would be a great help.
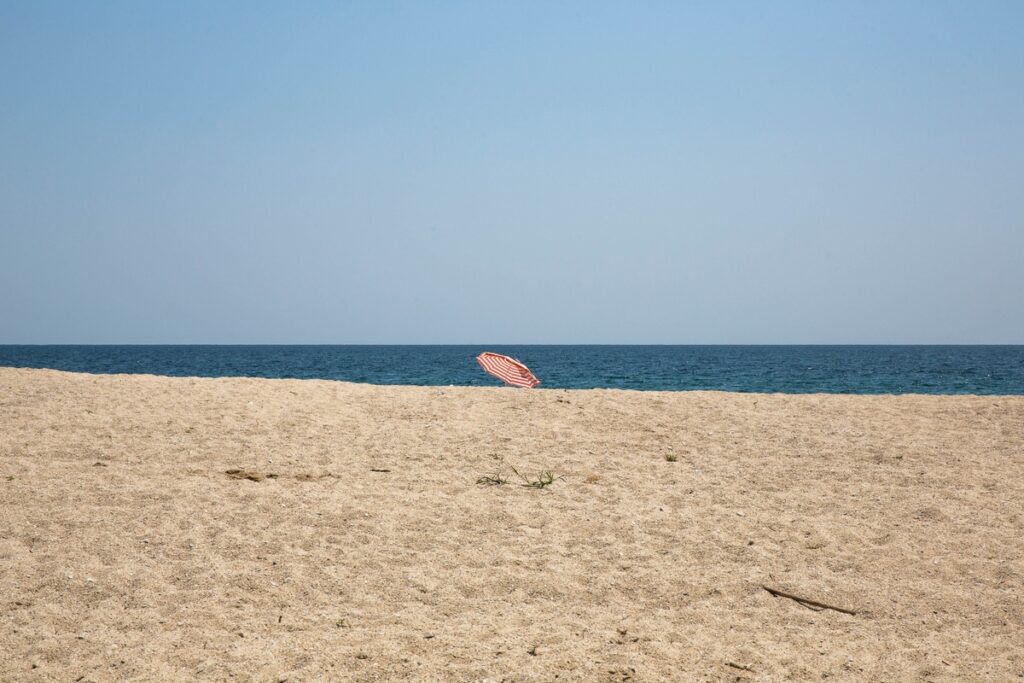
x: 712, y: 172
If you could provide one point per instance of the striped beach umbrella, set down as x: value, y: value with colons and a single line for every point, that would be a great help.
x: 508, y: 370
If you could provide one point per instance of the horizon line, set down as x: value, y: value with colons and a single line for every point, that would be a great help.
x: 411, y: 344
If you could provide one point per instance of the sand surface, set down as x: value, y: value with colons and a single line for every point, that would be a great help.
x: 128, y: 553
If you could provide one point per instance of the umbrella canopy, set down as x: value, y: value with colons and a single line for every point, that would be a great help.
x: 508, y: 370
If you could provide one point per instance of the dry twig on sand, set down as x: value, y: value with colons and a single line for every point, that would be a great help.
x: 804, y: 601
x: 249, y: 474
x: 495, y: 479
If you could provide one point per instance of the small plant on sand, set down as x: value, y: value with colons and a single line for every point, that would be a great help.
x: 545, y: 478
x: 671, y: 457
x: 496, y: 479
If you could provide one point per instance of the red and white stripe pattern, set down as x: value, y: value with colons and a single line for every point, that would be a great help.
x: 508, y: 370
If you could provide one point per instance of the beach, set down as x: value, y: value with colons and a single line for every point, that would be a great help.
x: 157, y: 528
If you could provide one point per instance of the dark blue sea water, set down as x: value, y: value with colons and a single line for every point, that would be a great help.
x: 788, y: 369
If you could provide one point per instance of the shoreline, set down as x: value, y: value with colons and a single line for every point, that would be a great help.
x: 470, y: 386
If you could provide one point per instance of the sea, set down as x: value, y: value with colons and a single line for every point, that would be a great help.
x: 761, y: 369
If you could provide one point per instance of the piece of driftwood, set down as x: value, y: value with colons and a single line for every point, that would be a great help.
x: 782, y: 594
x: 741, y: 667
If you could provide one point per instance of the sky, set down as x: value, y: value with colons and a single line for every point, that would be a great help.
x: 469, y: 172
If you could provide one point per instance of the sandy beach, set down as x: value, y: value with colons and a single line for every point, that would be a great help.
x: 157, y: 528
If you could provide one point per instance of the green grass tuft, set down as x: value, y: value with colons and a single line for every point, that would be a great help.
x: 544, y: 479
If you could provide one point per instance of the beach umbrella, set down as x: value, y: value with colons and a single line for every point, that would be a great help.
x: 508, y: 370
